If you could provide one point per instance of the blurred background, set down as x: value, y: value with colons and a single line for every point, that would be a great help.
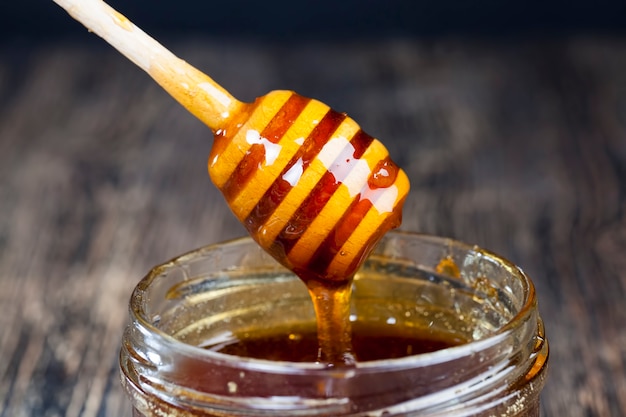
x: 289, y: 20
x: 508, y: 117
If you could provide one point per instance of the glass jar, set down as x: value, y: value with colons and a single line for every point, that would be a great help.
x: 409, y: 282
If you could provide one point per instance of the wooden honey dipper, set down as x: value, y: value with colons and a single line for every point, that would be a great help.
x: 310, y: 186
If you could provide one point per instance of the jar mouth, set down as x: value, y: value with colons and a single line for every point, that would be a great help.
x: 525, y: 310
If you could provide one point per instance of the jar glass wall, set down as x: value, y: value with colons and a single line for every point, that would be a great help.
x: 411, y: 283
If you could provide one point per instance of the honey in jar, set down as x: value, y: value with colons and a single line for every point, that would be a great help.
x: 226, y: 331
x: 370, y: 342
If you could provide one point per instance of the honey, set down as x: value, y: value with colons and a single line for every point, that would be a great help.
x: 369, y: 343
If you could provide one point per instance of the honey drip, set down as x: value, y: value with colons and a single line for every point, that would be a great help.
x: 326, y: 177
x: 332, y: 310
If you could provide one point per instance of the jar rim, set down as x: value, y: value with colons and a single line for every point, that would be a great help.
x: 500, y: 335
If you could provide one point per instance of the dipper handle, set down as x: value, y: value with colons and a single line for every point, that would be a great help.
x: 196, y: 91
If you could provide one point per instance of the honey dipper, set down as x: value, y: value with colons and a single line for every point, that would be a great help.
x: 311, y: 187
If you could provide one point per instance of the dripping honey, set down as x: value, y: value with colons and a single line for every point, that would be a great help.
x: 329, y: 289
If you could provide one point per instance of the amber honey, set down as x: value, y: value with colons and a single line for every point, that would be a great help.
x: 370, y: 342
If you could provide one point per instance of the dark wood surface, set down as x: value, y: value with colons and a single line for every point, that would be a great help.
x: 518, y: 146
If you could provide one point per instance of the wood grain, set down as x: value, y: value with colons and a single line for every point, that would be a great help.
x: 518, y: 146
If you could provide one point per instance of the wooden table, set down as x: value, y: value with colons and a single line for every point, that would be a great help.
x: 518, y: 146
